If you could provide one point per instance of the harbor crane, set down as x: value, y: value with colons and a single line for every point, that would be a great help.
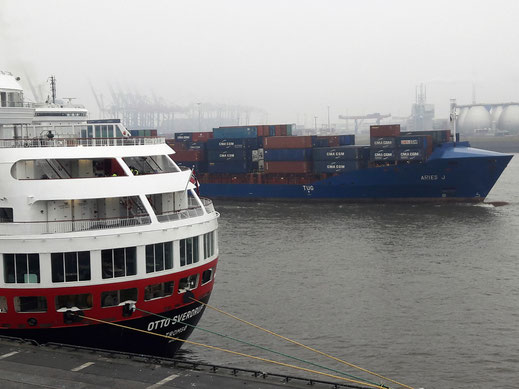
x: 360, y: 118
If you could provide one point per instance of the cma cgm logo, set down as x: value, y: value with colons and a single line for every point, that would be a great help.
x: 431, y: 177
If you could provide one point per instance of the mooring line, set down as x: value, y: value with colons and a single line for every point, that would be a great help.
x: 300, y: 344
x: 234, y: 352
x: 258, y: 346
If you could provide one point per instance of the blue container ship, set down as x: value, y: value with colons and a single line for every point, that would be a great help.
x: 268, y: 163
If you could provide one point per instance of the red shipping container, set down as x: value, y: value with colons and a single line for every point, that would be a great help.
x: 263, y: 131
x: 175, y: 145
x: 153, y: 132
x: 202, y: 136
x: 287, y: 142
x: 384, y: 130
x: 281, y: 130
x: 288, y: 167
x: 188, y: 155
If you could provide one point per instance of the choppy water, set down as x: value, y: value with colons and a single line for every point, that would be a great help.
x: 427, y: 295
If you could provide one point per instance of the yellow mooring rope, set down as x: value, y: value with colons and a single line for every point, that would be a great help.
x: 235, y: 353
x: 302, y: 345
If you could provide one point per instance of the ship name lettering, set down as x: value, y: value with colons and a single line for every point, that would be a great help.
x: 308, y: 188
x: 157, y: 324
x: 429, y: 177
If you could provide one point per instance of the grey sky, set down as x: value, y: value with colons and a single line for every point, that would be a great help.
x: 291, y: 58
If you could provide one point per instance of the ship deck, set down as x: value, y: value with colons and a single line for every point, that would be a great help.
x: 23, y: 364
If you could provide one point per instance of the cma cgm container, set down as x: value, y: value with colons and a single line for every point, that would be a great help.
x: 288, y: 154
x: 423, y: 166
x: 336, y: 166
x: 189, y: 155
x: 383, y: 155
x: 229, y: 143
x: 184, y: 136
x: 340, y: 153
x: 228, y: 155
x: 383, y: 142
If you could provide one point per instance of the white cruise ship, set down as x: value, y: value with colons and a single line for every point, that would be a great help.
x: 97, y: 227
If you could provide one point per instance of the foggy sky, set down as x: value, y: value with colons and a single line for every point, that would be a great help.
x: 291, y: 58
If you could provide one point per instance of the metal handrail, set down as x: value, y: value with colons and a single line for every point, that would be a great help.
x: 62, y: 226
x: 84, y: 142
x: 193, y: 210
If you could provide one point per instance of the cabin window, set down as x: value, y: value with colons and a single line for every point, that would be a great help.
x: 208, y: 245
x: 3, y: 99
x: 188, y: 283
x: 81, y: 301
x: 189, y: 251
x: 3, y: 304
x: 119, y: 262
x: 207, y: 276
x: 30, y: 304
x: 70, y: 267
x: 156, y: 291
x: 22, y: 268
x: 6, y: 215
x: 159, y: 257
x: 115, y: 297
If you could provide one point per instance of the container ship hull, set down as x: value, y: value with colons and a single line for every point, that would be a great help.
x: 419, y: 166
x: 464, y: 179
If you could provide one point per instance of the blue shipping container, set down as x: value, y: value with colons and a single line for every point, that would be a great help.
x: 229, y: 167
x: 385, y: 142
x: 228, y: 155
x: 243, y: 143
x: 235, y: 132
x: 320, y: 142
x: 346, y: 140
x: 415, y: 141
x: 183, y: 136
x: 195, y: 145
x: 383, y: 155
x: 339, y: 153
x: 272, y: 130
x: 336, y: 166
x: 288, y: 154
x: 411, y: 155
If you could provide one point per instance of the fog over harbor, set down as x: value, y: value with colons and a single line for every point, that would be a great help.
x: 290, y: 60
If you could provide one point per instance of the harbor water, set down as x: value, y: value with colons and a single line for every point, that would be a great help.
x: 424, y: 294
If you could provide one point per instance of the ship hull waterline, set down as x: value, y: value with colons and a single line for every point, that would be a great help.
x: 110, y: 337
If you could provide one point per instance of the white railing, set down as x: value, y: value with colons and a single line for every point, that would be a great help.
x: 85, y: 142
x: 55, y: 227
x: 193, y: 210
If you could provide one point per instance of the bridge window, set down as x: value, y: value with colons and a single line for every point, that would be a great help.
x: 115, y: 297
x: 81, y: 301
x: 30, y: 304
x: 158, y: 290
x: 159, y: 257
x: 208, y: 245
x: 189, y: 251
x: 70, y: 267
x: 119, y: 262
x: 22, y: 268
x: 6, y: 215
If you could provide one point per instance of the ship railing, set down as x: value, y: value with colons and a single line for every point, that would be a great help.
x: 83, y: 142
x: 193, y: 210
x: 63, y: 226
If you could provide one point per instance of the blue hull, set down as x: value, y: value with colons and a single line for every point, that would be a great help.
x: 453, y: 172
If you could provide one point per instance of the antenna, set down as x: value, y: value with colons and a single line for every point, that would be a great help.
x: 52, y: 80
